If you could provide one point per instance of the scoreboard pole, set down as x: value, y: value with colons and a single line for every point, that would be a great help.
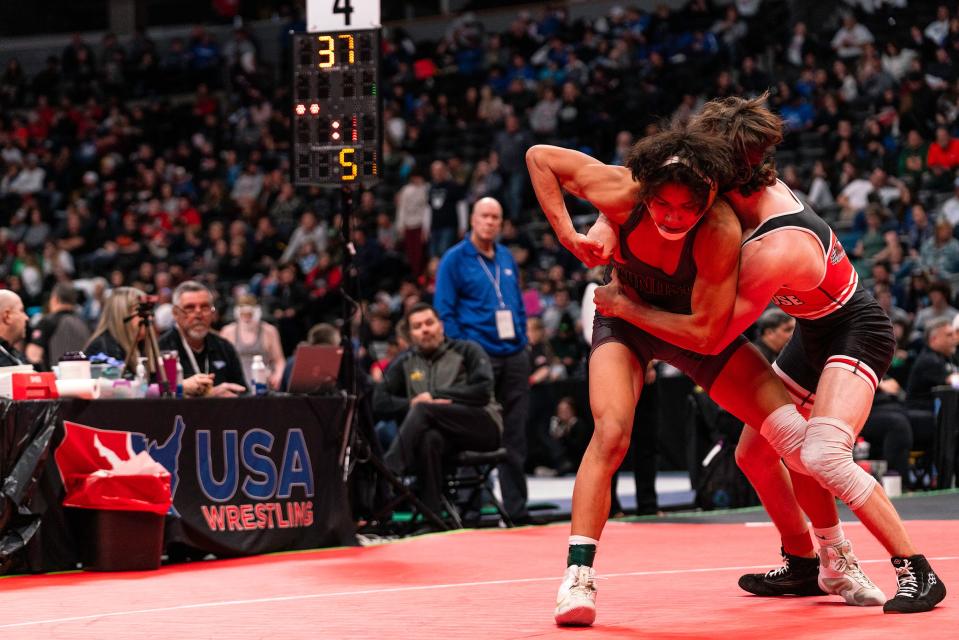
x: 337, y: 121
x: 337, y: 132
x: 337, y: 141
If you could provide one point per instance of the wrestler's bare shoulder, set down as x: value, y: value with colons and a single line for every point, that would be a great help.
x: 722, y: 220
x: 793, y: 254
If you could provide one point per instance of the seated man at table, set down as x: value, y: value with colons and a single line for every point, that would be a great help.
x: 445, y: 386
x: 13, y: 329
x: 204, y: 355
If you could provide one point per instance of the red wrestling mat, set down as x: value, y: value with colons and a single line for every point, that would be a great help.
x: 661, y: 581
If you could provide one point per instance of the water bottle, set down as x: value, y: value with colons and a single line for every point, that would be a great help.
x: 142, y: 380
x: 259, y: 373
x: 179, y: 379
x: 861, y: 450
x: 892, y: 484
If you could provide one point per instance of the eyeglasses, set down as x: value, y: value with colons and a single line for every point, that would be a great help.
x: 191, y: 309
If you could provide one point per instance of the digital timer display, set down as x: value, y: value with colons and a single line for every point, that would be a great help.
x: 336, y: 108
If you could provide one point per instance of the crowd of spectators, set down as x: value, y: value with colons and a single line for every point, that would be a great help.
x: 131, y: 164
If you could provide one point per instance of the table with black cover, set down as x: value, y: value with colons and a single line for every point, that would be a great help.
x: 249, y: 475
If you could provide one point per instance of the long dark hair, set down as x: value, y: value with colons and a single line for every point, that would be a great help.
x: 694, y: 158
x: 753, y: 131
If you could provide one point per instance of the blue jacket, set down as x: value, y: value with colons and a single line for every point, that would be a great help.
x: 466, y: 298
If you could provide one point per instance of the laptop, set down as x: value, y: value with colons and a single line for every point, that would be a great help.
x: 315, y: 369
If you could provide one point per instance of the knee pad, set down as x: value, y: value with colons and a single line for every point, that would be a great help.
x: 785, y: 430
x: 827, y: 456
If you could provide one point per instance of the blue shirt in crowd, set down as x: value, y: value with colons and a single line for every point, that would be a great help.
x: 466, y: 298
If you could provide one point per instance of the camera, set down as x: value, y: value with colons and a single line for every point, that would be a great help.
x: 146, y: 305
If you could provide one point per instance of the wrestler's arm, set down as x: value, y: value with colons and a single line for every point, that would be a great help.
x: 761, y: 275
x: 606, y: 232
x: 604, y: 222
x: 716, y: 253
x: 763, y: 272
x: 611, y: 189
x: 759, y: 280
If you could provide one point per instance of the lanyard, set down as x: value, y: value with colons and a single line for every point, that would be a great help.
x: 192, y: 357
x: 493, y: 281
x: 10, y: 355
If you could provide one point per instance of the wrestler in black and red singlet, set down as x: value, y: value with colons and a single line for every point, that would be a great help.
x: 670, y: 292
x: 838, y: 324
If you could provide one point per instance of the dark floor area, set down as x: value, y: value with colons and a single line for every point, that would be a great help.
x: 927, y: 505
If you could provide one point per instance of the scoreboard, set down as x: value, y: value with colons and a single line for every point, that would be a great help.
x: 336, y: 108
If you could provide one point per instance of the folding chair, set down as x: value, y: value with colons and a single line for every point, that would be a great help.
x: 467, y: 480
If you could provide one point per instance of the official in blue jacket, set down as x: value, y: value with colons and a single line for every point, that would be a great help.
x: 478, y: 298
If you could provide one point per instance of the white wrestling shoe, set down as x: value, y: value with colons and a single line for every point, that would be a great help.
x: 576, y: 600
x: 840, y: 574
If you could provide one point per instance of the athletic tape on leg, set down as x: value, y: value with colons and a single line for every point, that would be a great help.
x: 785, y: 430
x: 827, y: 455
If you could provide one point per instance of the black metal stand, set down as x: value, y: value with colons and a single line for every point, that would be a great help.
x: 353, y: 438
x: 155, y: 369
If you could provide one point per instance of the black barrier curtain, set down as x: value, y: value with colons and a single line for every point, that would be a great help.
x: 946, y: 445
x: 26, y: 430
x: 248, y: 475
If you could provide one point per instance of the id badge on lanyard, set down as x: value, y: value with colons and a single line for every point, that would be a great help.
x: 505, y: 328
x: 504, y: 324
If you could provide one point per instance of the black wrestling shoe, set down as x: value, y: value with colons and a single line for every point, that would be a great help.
x: 797, y: 577
x: 920, y: 589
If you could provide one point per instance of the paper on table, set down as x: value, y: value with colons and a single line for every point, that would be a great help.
x: 17, y: 368
x: 88, y: 389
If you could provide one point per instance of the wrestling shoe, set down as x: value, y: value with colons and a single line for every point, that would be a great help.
x: 797, y: 576
x: 840, y: 574
x: 920, y: 589
x: 576, y: 600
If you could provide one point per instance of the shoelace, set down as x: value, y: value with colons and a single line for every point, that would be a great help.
x: 908, y: 585
x: 583, y: 582
x: 783, y: 570
x: 851, y: 562
x: 584, y: 579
